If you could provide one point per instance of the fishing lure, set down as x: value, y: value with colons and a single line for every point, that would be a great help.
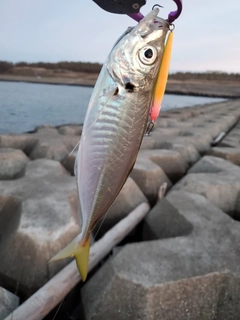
x: 114, y: 125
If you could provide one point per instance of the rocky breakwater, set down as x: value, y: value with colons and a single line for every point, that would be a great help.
x: 183, y: 262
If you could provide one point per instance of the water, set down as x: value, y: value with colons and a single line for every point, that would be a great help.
x: 23, y: 106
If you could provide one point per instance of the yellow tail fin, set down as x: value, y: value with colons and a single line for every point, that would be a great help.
x: 80, y: 252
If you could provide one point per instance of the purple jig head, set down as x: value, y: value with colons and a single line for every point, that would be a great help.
x: 173, y: 15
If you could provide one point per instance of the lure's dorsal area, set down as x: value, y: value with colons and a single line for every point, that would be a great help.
x: 116, y: 121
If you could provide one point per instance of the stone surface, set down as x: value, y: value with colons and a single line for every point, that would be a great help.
x: 230, y: 154
x: 164, y: 221
x: 70, y: 130
x: 69, y: 162
x: 10, y: 212
x: 128, y: 199
x: 12, y: 163
x: 202, y: 143
x: 148, y: 142
x: 210, y: 164
x: 221, y: 189
x: 52, y: 145
x: 216, y: 179
x: 24, y: 142
x: 192, y: 277
x: 149, y: 177
x: 49, y: 221
x: 188, y: 152
x: 8, y: 303
x: 172, y: 162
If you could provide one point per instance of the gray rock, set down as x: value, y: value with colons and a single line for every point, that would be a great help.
x: 188, y: 152
x: 230, y: 142
x: 193, y: 277
x: 49, y: 145
x: 202, y: 143
x: 237, y: 208
x: 221, y: 189
x: 149, y: 177
x: 210, y: 164
x: 10, y: 211
x: 169, y: 131
x: 230, y: 154
x: 12, y: 163
x: 127, y: 200
x: 172, y: 162
x: 24, y: 142
x: 69, y: 162
x: 8, y: 303
x: 164, y: 221
x: 70, y: 130
x: 71, y: 143
x: 48, y: 223
x: 148, y: 142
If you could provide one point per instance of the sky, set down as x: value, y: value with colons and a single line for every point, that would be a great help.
x: 207, y: 34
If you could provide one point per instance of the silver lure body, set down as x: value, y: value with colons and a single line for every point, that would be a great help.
x: 116, y: 118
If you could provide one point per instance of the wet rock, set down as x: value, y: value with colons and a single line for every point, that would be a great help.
x: 128, y: 199
x: 8, y: 303
x: 149, y: 177
x: 230, y: 154
x: 48, y: 223
x: 192, y: 277
x: 172, y: 162
x: 12, y: 163
x: 24, y: 142
x: 164, y: 221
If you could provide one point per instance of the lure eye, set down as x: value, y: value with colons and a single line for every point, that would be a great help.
x: 148, y: 55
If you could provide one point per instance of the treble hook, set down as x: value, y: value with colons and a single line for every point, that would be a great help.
x: 149, y: 128
x: 173, y: 15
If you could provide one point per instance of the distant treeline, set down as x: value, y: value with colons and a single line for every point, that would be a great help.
x: 63, y: 65
x: 211, y: 75
x: 89, y: 67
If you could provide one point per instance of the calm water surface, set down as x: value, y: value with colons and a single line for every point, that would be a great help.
x: 23, y: 106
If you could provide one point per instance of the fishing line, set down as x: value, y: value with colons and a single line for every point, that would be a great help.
x: 58, y: 308
x: 104, y: 217
x: 74, y: 148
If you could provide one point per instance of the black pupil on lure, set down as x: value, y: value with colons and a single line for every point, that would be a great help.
x: 148, y: 53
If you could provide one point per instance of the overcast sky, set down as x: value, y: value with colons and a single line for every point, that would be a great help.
x: 207, y: 34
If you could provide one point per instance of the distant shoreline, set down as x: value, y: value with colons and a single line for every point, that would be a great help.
x: 206, y: 88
